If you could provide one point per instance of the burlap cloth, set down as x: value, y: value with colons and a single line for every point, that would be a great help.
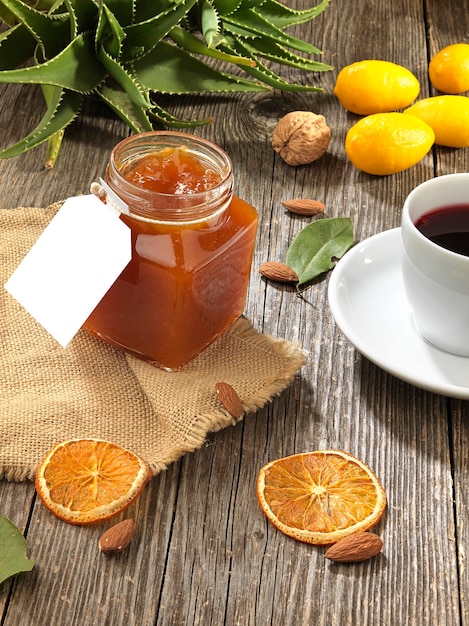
x: 50, y: 394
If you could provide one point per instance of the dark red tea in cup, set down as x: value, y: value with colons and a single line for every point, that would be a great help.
x: 447, y: 226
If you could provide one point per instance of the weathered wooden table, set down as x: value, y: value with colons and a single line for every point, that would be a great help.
x: 205, y: 553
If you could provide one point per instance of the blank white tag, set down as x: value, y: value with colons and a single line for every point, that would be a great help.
x: 71, y: 266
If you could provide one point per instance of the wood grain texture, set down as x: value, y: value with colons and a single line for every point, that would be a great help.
x: 204, y: 554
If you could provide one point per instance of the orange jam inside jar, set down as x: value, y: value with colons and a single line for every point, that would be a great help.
x: 192, y: 248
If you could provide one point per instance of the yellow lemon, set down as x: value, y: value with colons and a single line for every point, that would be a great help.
x: 449, y: 69
x: 448, y: 116
x: 386, y: 143
x: 374, y: 86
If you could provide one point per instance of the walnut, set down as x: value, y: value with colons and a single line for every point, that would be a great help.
x: 301, y: 137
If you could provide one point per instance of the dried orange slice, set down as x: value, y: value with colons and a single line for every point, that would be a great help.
x: 84, y: 481
x: 320, y: 497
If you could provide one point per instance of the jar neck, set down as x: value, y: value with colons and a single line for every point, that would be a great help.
x: 152, y: 205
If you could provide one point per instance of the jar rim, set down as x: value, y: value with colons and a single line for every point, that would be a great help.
x: 179, y: 139
x: 162, y: 206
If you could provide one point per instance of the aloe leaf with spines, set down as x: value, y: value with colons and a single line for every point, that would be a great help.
x: 193, y: 44
x: 117, y: 99
x: 16, y: 46
x: 283, y: 16
x: 62, y: 108
x: 51, y: 31
x: 210, y: 24
x: 260, y: 71
x: 171, y: 70
x: 76, y: 68
x: 128, y: 52
x: 252, y: 21
x: 225, y: 7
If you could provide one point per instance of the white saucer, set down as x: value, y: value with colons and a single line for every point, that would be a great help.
x: 366, y: 296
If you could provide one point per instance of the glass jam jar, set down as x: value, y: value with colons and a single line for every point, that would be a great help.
x: 192, y: 248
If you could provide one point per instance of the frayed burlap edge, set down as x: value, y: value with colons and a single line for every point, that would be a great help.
x: 216, y: 420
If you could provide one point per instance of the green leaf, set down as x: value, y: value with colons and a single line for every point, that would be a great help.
x: 13, y: 546
x: 262, y: 72
x: 143, y: 36
x: 272, y: 51
x: 7, y: 16
x: 54, y: 144
x: 62, y: 109
x: 119, y: 101
x: 119, y: 51
x: 166, y: 119
x: 315, y: 249
x: 126, y: 77
x: 190, y: 43
x: 122, y: 9
x: 51, y: 32
x: 101, y: 25
x: 66, y: 70
x: 73, y: 19
x: 16, y: 47
x: 283, y: 16
x: 113, y: 43
x: 83, y: 15
x: 210, y: 23
x: 253, y: 21
x: 50, y: 6
x: 224, y: 7
x: 250, y: 4
x: 240, y: 32
x: 168, y: 69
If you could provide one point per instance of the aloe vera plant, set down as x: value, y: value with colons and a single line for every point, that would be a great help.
x: 126, y: 52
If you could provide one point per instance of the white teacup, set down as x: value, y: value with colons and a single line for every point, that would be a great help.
x: 436, y: 279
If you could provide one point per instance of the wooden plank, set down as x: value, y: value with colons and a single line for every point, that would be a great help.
x: 447, y: 26
x: 459, y: 439
x: 24, y: 180
x: 17, y: 503
x: 341, y: 399
x: 73, y: 583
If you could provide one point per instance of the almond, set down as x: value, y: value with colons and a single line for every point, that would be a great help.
x: 230, y: 399
x: 278, y: 271
x: 118, y: 537
x: 357, y: 547
x: 304, y: 207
